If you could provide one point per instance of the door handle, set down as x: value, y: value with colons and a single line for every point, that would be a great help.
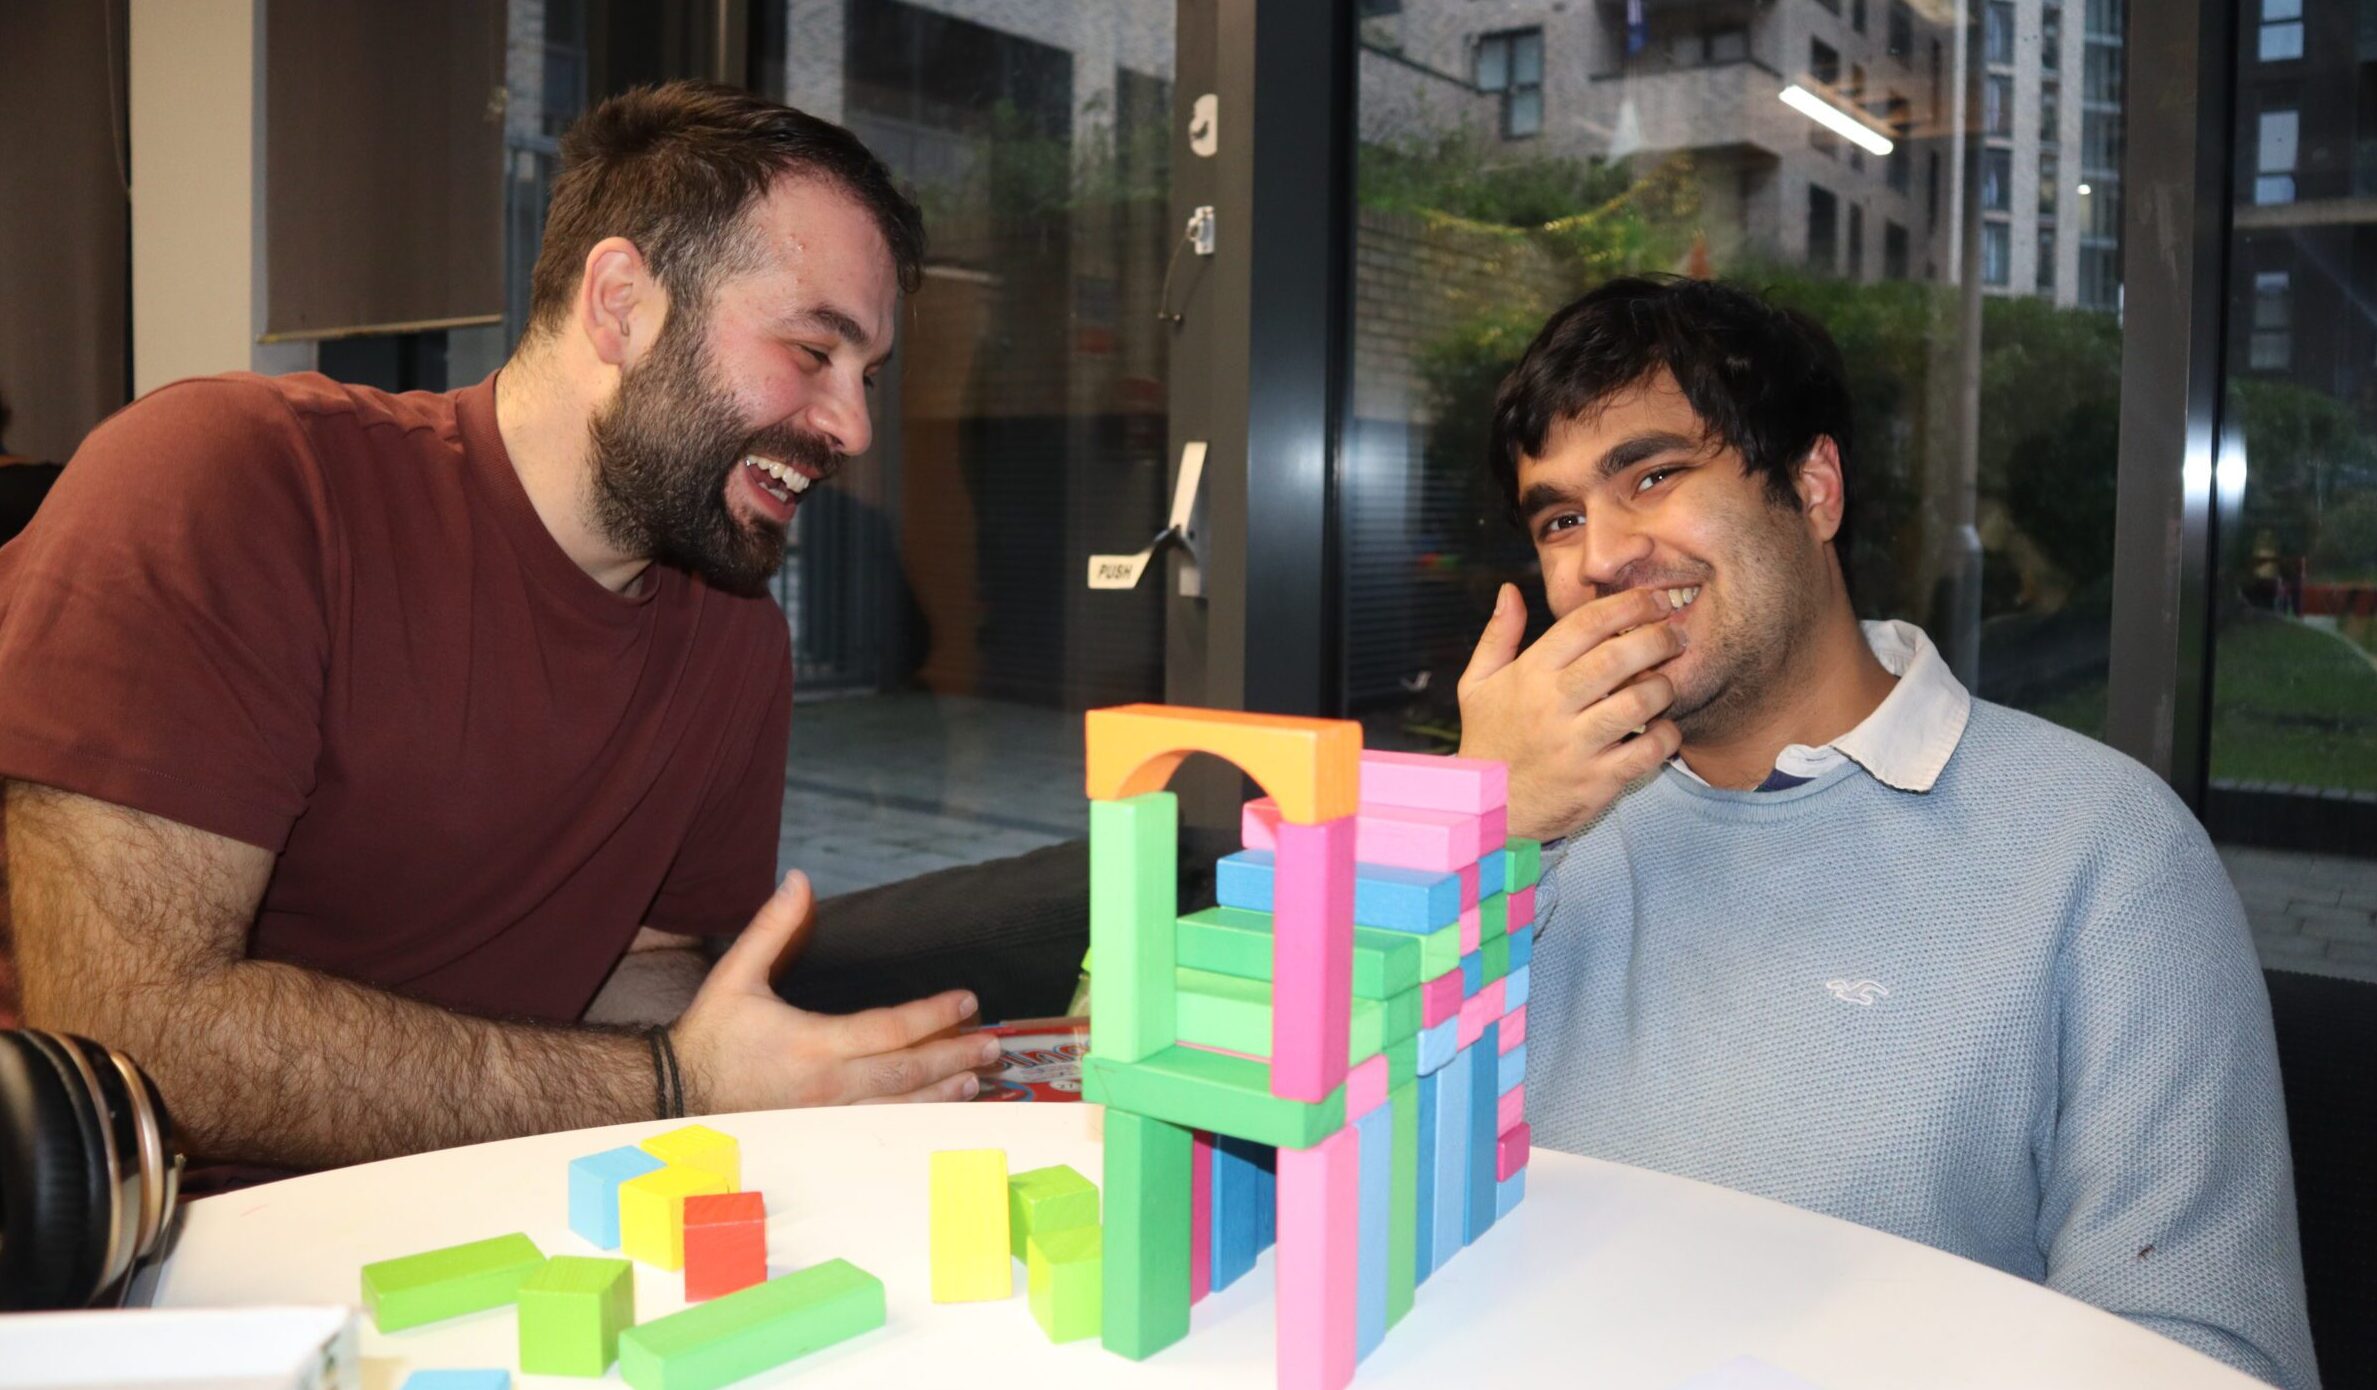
x: 1183, y: 528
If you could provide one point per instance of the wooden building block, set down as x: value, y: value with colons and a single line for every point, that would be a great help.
x: 1145, y: 1304
x: 1440, y: 998
x: 1493, y: 917
x: 1449, y: 1207
x: 1510, y: 1070
x: 1493, y: 870
x: 1064, y: 1281
x: 1438, y: 1044
x: 726, y: 1339
x: 1385, y: 898
x: 1423, y: 1205
x: 1365, y: 1089
x: 1237, y: 941
x: 495, y: 1379
x: 1403, y: 1201
x: 1522, y: 908
x: 1511, y: 1149
x: 1055, y: 1198
x: 1473, y: 974
x: 1440, y: 950
x: 1514, y: 1026
x: 1403, y: 1063
x: 1245, y: 1206
x: 1433, y: 841
x: 1214, y: 1010
x: 972, y: 1261
x: 1495, y: 954
x: 1434, y: 782
x: 702, y: 1149
x: 1312, y: 943
x: 1526, y: 864
x: 1208, y: 1090
x: 1312, y: 766
x: 572, y: 1311
x: 1377, y: 1141
x: 1510, y: 1107
x: 726, y: 1243
x: 1320, y: 1220
x: 1134, y: 895
x: 446, y: 1283
x: 1473, y: 925
x: 1514, y: 988
x: 1522, y: 947
x: 1470, y: 897
x: 594, y: 1192
x: 1480, y: 1011
x: 1509, y: 1192
x: 1493, y: 828
x: 1200, y: 1215
x: 1483, y: 1060
x: 652, y: 1213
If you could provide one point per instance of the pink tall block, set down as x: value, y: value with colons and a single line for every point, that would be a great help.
x: 1511, y: 1108
x: 1397, y: 836
x: 1494, y: 829
x: 1469, y: 886
x: 1434, y: 782
x: 1522, y: 908
x: 1510, y: 1151
x: 1200, y: 1216
x: 1312, y: 958
x: 1365, y: 1088
x: 1514, y: 1028
x: 1478, y: 1010
x: 1440, y: 998
x: 1320, y: 1220
x: 1472, y: 928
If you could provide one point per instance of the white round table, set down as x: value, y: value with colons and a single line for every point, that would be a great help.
x: 1606, y: 1275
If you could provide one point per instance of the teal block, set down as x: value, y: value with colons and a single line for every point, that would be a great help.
x: 1133, y: 911
x: 594, y: 1191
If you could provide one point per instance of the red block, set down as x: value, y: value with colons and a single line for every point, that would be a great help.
x: 726, y: 1243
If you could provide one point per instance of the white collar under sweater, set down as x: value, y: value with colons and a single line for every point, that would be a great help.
x: 1908, y: 738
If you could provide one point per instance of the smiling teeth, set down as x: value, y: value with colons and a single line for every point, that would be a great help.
x: 1677, y: 598
x: 795, y: 481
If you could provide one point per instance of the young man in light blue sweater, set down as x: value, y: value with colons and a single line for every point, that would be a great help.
x: 1822, y: 926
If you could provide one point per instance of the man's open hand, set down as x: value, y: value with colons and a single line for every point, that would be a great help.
x: 742, y: 1048
x: 1563, y: 713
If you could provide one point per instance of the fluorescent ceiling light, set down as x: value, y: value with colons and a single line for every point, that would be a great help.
x: 1834, y: 119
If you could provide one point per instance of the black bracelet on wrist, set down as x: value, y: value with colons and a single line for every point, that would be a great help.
x: 668, y: 1085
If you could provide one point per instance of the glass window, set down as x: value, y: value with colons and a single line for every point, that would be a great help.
x: 1824, y: 63
x: 1512, y: 64
x: 1902, y: 30
x: 1823, y: 229
x: 1856, y: 241
x: 1857, y: 15
x: 2272, y: 347
x: 1997, y: 33
x: 1894, y: 251
x: 2050, y: 180
x: 2046, y: 261
x: 2281, y: 41
x: 2050, y: 38
x: 2275, y: 136
x: 1997, y: 180
x: 1997, y: 253
x: 2281, y: 9
x: 1997, y: 105
x: 2050, y: 112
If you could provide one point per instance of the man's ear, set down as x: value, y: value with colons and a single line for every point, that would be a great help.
x: 620, y: 307
x: 1823, y: 493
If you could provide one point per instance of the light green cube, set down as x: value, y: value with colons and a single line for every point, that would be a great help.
x: 1063, y: 1278
x: 1048, y: 1199
x: 752, y: 1330
x: 446, y: 1283
x: 571, y: 1314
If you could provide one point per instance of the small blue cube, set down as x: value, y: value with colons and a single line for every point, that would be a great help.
x: 1514, y: 987
x: 459, y: 1380
x: 1511, y: 1070
x: 594, y: 1192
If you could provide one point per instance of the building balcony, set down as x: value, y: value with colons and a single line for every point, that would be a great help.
x: 1729, y: 106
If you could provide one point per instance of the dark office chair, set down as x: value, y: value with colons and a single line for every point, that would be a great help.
x: 2327, y: 1052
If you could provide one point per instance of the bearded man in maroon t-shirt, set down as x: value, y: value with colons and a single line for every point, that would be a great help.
x: 357, y: 742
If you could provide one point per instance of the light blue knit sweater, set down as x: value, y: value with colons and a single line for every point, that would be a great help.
x: 2017, y: 1017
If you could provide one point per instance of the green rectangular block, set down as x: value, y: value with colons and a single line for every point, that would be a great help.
x: 1493, y: 917
x: 1497, y: 957
x: 1440, y: 951
x: 1211, y: 1091
x: 572, y: 1311
x: 1065, y: 1283
x: 437, y: 1284
x: 1048, y: 1200
x: 751, y: 1330
x: 1235, y: 941
x: 1144, y: 1302
x: 1403, y: 1062
x: 1134, y: 890
x: 1403, y: 1202
x: 1526, y: 863
x: 1216, y: 1010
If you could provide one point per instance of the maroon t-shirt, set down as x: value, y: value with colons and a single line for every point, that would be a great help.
x: 326, y: 620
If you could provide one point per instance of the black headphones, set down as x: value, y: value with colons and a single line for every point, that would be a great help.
x: 90, y: 1176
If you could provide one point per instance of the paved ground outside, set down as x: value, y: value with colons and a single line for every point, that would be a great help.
x: 2310, y: 912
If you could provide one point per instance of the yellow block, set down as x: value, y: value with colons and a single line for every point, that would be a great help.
x: 971, y: 1257
x: 701, y: 1148
x: 652, y: 1213
x: 1311, y: 767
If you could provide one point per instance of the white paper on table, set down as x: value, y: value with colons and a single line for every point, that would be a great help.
x: 1747, y: 1373
x: 284, y: 1348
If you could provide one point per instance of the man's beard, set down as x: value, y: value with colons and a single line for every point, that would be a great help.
x: 662, y: 452
x: 1765, y: 616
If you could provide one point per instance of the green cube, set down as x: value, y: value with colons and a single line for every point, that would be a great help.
x: 571, y: 1314
x: 1063, y: 1279
x: 1493, y: 917
x: 1048, y: 1199
x: 752, y: 1330
x: 1526, y: 864
x: 1440, y: 951
x: 446, y: 1283
x: 1497, y: 958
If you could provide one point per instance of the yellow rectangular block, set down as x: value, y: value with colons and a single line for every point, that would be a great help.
x: 652, y: 1213
x: 971, y: 1259
x: 701, y: 1148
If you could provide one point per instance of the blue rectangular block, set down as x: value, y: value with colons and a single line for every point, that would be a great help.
x: 1473, y: 975
x: 1389, y: 898
x: 459, y: 1380
x: 1245, y: 1206
x: 1511, y: 1070
x: 1423, y: 1262
x: 1522, y: 950
x: 1514, y: 988
x: 1452, y: 1159
x: 594, y: 1191
x: 1491, y: 871
x: 1437, y: 1045
x: 1485, y: 1060
x: 1377, y: 1131
x: 1508, y: 1192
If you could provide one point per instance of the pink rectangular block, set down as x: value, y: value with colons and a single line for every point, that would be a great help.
x: 1478, y: 1010
x: 1510, y: 1151
x: 1434, y: 782
x: 1493, y: 829
x: 1312, y: 958
x: 1200, y: 1216
x: 1469, y: 886
x: 1320, y: 1221
x: 1511, y: 1108
x: 1514, y: 1029
x: 1522, y: 908
x: 1366, y: 1088
x: 1440, y: 998
x: 1397, y: 836
x: 1472, y: 928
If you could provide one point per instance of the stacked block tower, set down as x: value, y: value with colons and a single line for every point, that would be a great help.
x: 1331, y: 1060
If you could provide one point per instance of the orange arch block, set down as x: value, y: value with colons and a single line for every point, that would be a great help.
x: 1311, y: 767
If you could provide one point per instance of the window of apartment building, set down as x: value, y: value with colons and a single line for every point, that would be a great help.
x: 2050, y: 38
x: 1857, y: 15
x: 2050, y: 110
x: 1931, y: 190
x: 1997, y: 105
x: 2104, y: 18
x: 1823, y: 229
x: 1997, y: 253
x: 2100, y: 276
x: 2281, y: 30
x: 1824, y: 74
x: 2272, y: 345
x: 2046, y: 277
x: 1894, y: 251
x: 1854, y: 95
x: 1901, y: 40
x: 2273, y: 156
x: 1900, y: 118
x: 2050, y: 174
x: 1997, y: 33
x: 2100, y: 145
x: 1939, y: 88
x: 1997, y: 180
x: 1511, y: 63
x: 1856, y: 241
x: 2100, y: 211
x: 2103, y: 74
